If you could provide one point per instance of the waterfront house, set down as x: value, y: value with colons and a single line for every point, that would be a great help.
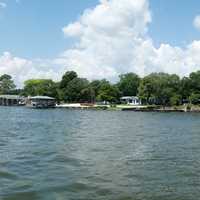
x: 131, y: 100
x: 41, y: 102
x: 12, y: 100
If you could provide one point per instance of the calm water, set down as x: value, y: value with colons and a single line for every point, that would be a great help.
x: 100, y: 155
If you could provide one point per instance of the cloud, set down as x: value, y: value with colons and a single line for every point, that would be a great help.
x: 107, y: 36
x: 22, y: 69
x: 113, y: 38
x: 196, y: 22
x: 114, y: 16
x: 3, y: 5
x: 166, y: 58
x: 73, y: 30
x: 110, y: 39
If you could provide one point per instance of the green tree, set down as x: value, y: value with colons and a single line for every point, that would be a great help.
x: 194, y: 98
x: 128, y: 84
x: 44, y: 87
x: 96, y: 85
x: 67, y: 77
x: 75, y: 90
x: 6, y: 84
x: 87, y: 95
x: 175, y: 100
x: 190, y: 87
x: 185, y: 88
x: 109, y: 93
x: 194, y: 83
x: 158, y: 88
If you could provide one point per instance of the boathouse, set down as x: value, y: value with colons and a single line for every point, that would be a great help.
x: 41, y: 102
x: 11, y: 100
x: 131, y: 100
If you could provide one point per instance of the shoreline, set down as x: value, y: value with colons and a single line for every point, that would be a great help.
x: 180, y: 109
x: 119, y: 107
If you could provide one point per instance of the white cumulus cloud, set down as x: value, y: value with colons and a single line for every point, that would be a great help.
x: 107, y: 36
x: 73, y: 30
x: 110, y: 39
x: 113, y: 38
x: 22, y: 69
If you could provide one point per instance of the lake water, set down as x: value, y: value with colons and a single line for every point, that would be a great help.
x: 98, y: 155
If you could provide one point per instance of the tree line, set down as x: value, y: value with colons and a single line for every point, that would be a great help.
x: 154, y: 89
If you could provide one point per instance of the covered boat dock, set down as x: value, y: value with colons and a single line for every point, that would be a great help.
x: 41, y: 102
x: 11, y: 100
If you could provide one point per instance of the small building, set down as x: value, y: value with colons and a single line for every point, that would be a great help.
x: 102, y: 103
x: 41, y: 102
x: 131, y: 100
x: 12, y: 100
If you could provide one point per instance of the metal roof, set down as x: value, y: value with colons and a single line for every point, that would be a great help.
x: 129, y: 97
x: 11, y: 97
x: 42, y: 97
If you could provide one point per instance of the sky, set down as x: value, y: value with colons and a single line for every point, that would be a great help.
x: 98, y: 38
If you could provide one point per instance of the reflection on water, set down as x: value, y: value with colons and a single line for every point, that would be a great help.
x: 101, y: 155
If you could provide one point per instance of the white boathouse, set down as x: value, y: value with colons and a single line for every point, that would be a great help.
x: 131, y: 100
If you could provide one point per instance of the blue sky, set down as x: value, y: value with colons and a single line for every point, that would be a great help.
x: 32, y: 28
x: 172, y: 21
x: 45, y: 38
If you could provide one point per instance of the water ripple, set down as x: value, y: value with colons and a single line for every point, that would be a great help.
x: 101, y: 155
